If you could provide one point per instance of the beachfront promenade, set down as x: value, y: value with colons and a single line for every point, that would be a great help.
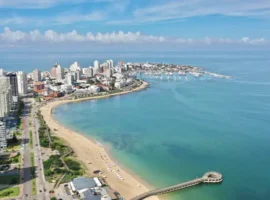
x: 209, y: 177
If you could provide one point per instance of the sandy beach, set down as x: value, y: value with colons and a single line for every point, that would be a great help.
x: 94, y: 155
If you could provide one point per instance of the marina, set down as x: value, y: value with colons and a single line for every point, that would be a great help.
x: 172, y: 72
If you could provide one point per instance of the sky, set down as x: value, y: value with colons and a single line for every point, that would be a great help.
x: 134, y: 24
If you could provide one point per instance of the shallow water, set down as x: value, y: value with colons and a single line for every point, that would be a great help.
x: 176, y: 131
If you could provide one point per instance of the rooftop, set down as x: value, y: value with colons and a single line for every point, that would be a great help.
x: 81, y: 183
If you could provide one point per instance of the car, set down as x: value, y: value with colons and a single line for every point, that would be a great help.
x: 26, y: 195
x: 36, y: 144
x: 40, y: 190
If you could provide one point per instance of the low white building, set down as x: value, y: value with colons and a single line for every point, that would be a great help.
x: 67, y: 88
x: 94, y: 89
x: 120, y: 84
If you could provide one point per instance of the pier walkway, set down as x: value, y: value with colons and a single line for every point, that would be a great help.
x: 209, y: 177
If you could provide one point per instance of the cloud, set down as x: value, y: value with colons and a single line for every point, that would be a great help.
x: 40, y: 4
x: 62, y: 18
x: 175, y: 9
x: 35, y: 37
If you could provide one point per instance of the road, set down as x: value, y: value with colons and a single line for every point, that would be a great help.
x: 27, y: 176
x: 42, y: 193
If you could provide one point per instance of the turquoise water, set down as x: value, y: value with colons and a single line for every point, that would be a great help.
x: 176, y: 131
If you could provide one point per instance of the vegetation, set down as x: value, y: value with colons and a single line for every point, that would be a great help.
x: 43, y: 134
x: 10, y: 192
x: 59, y: 145
x: 10, y: 160
x: 53, y: 198
x: 14, y: 143
x: 33, y: 181
x: 38, y: 99
x: 16, y: 159
x: 10, y: 180
x: 55, y: 167
x: 19, y: 113
x: 18, y: 133
x: 31, y: 139
x: 34, y: 186
x: 32, y: 164
x: 73, y: 165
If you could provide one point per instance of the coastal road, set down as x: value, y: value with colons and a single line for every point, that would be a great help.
x: 42, y: 192
x: 27, y: 176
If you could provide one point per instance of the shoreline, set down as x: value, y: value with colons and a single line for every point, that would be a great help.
x: 96, y: 156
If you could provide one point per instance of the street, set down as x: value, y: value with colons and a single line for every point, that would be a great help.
x: 42, y: 193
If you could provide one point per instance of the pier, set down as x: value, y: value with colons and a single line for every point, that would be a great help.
x: 209, y: 177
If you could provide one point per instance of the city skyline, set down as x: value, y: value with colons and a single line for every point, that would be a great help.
x: 119, y: 23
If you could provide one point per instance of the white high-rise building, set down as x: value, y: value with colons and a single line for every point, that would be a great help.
x: 2, y: 72
x: 3, y: 135
x: 22, y: 83
x: 36, y: 75
x: 59, y: 72
x: 109, y: 72
x: 88, y: 72
x: 5, y: 96
x: 75, y: 67
x: 96, y: 65
x: 110, y: 62
x: 69, y: 79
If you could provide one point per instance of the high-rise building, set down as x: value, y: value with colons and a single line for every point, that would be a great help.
x: 2, y: 72
x: 75, y: 67
x: 69, y: 79
x: 77, y: 75
x: 5, y: 96
x: 110, y: 62
x: 91, y: 73
x: 22, y: 83
x: 88, y: 72
x: 36, y: 75
x: 14, y: 84
x: 109, y: 72
x: 53, y: 71
x: 96, y: 65
x: 3, y: 135
x: 59, y: 72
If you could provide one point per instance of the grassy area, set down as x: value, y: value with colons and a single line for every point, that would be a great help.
x: 10, y: 192
x: 10, y: 160
x: 69, y: 177
x: 74, y: 166
x: 32, y: 164
x: 10, y: 179
x: 31, y: 139
x: 18, y: 133
x: 59, y: 144
x: 33, y: 181
x: 43, y: 137
x: 16, y: 159
x: 53, y: 168
x: 13, y: 144
x: 38, y: 99
x: 34, y: 186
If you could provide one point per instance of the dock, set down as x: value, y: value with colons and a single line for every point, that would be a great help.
x: 209, y: 177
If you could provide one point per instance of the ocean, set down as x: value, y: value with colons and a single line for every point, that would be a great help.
x: 177, y: 130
